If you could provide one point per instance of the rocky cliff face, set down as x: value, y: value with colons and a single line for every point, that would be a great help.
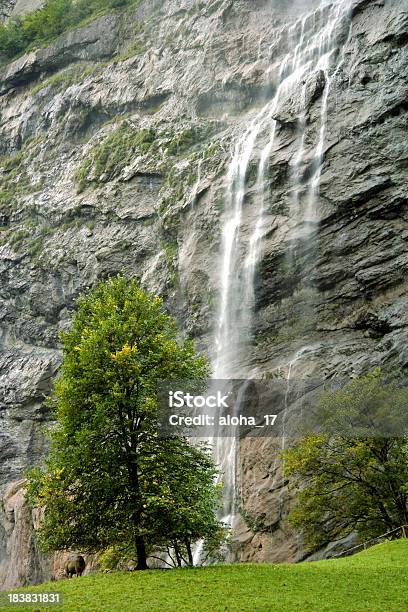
x: 6, y: 7
x: 115, y: 143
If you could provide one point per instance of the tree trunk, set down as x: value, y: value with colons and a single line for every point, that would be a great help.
x: 141, y: 553
x: 386, y: 518
x: 139, y: 540
x: 189, y: 552
x: 177, y: 552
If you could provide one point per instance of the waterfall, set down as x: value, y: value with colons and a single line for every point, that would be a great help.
x: 313, y: 44
x: 306, y: 350
x: 227, y: 341
x: 324, y: 64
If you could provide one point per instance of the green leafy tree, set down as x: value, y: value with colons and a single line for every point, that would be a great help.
x: 111, y: 479
x: 353, y: 476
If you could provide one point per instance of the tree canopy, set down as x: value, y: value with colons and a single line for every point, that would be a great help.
x: 110, y: 478
x: 349, y: 482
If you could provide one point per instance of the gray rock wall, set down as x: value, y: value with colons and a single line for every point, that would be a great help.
x: 20, y: 559
x: 337, y: 310
x: 11, y: 8
x: 26, y: 6
x: 6, y: 8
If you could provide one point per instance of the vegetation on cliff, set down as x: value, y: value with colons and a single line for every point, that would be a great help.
x: 15, y: 180
x: 111, y: 479
x: 55, y: 17
x: 106, y: 160
x: 109, y: 158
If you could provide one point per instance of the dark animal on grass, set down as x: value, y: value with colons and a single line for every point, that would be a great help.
x: 75, y: 566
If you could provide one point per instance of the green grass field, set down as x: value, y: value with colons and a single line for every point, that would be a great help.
x: 376, y: 579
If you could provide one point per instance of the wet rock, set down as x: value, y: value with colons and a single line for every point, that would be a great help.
x: 314, y: 86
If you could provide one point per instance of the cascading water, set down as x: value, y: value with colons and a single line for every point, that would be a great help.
x: 313, y: 43
x: 324, y: 66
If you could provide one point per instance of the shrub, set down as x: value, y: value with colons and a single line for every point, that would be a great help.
x: 114, y: 153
